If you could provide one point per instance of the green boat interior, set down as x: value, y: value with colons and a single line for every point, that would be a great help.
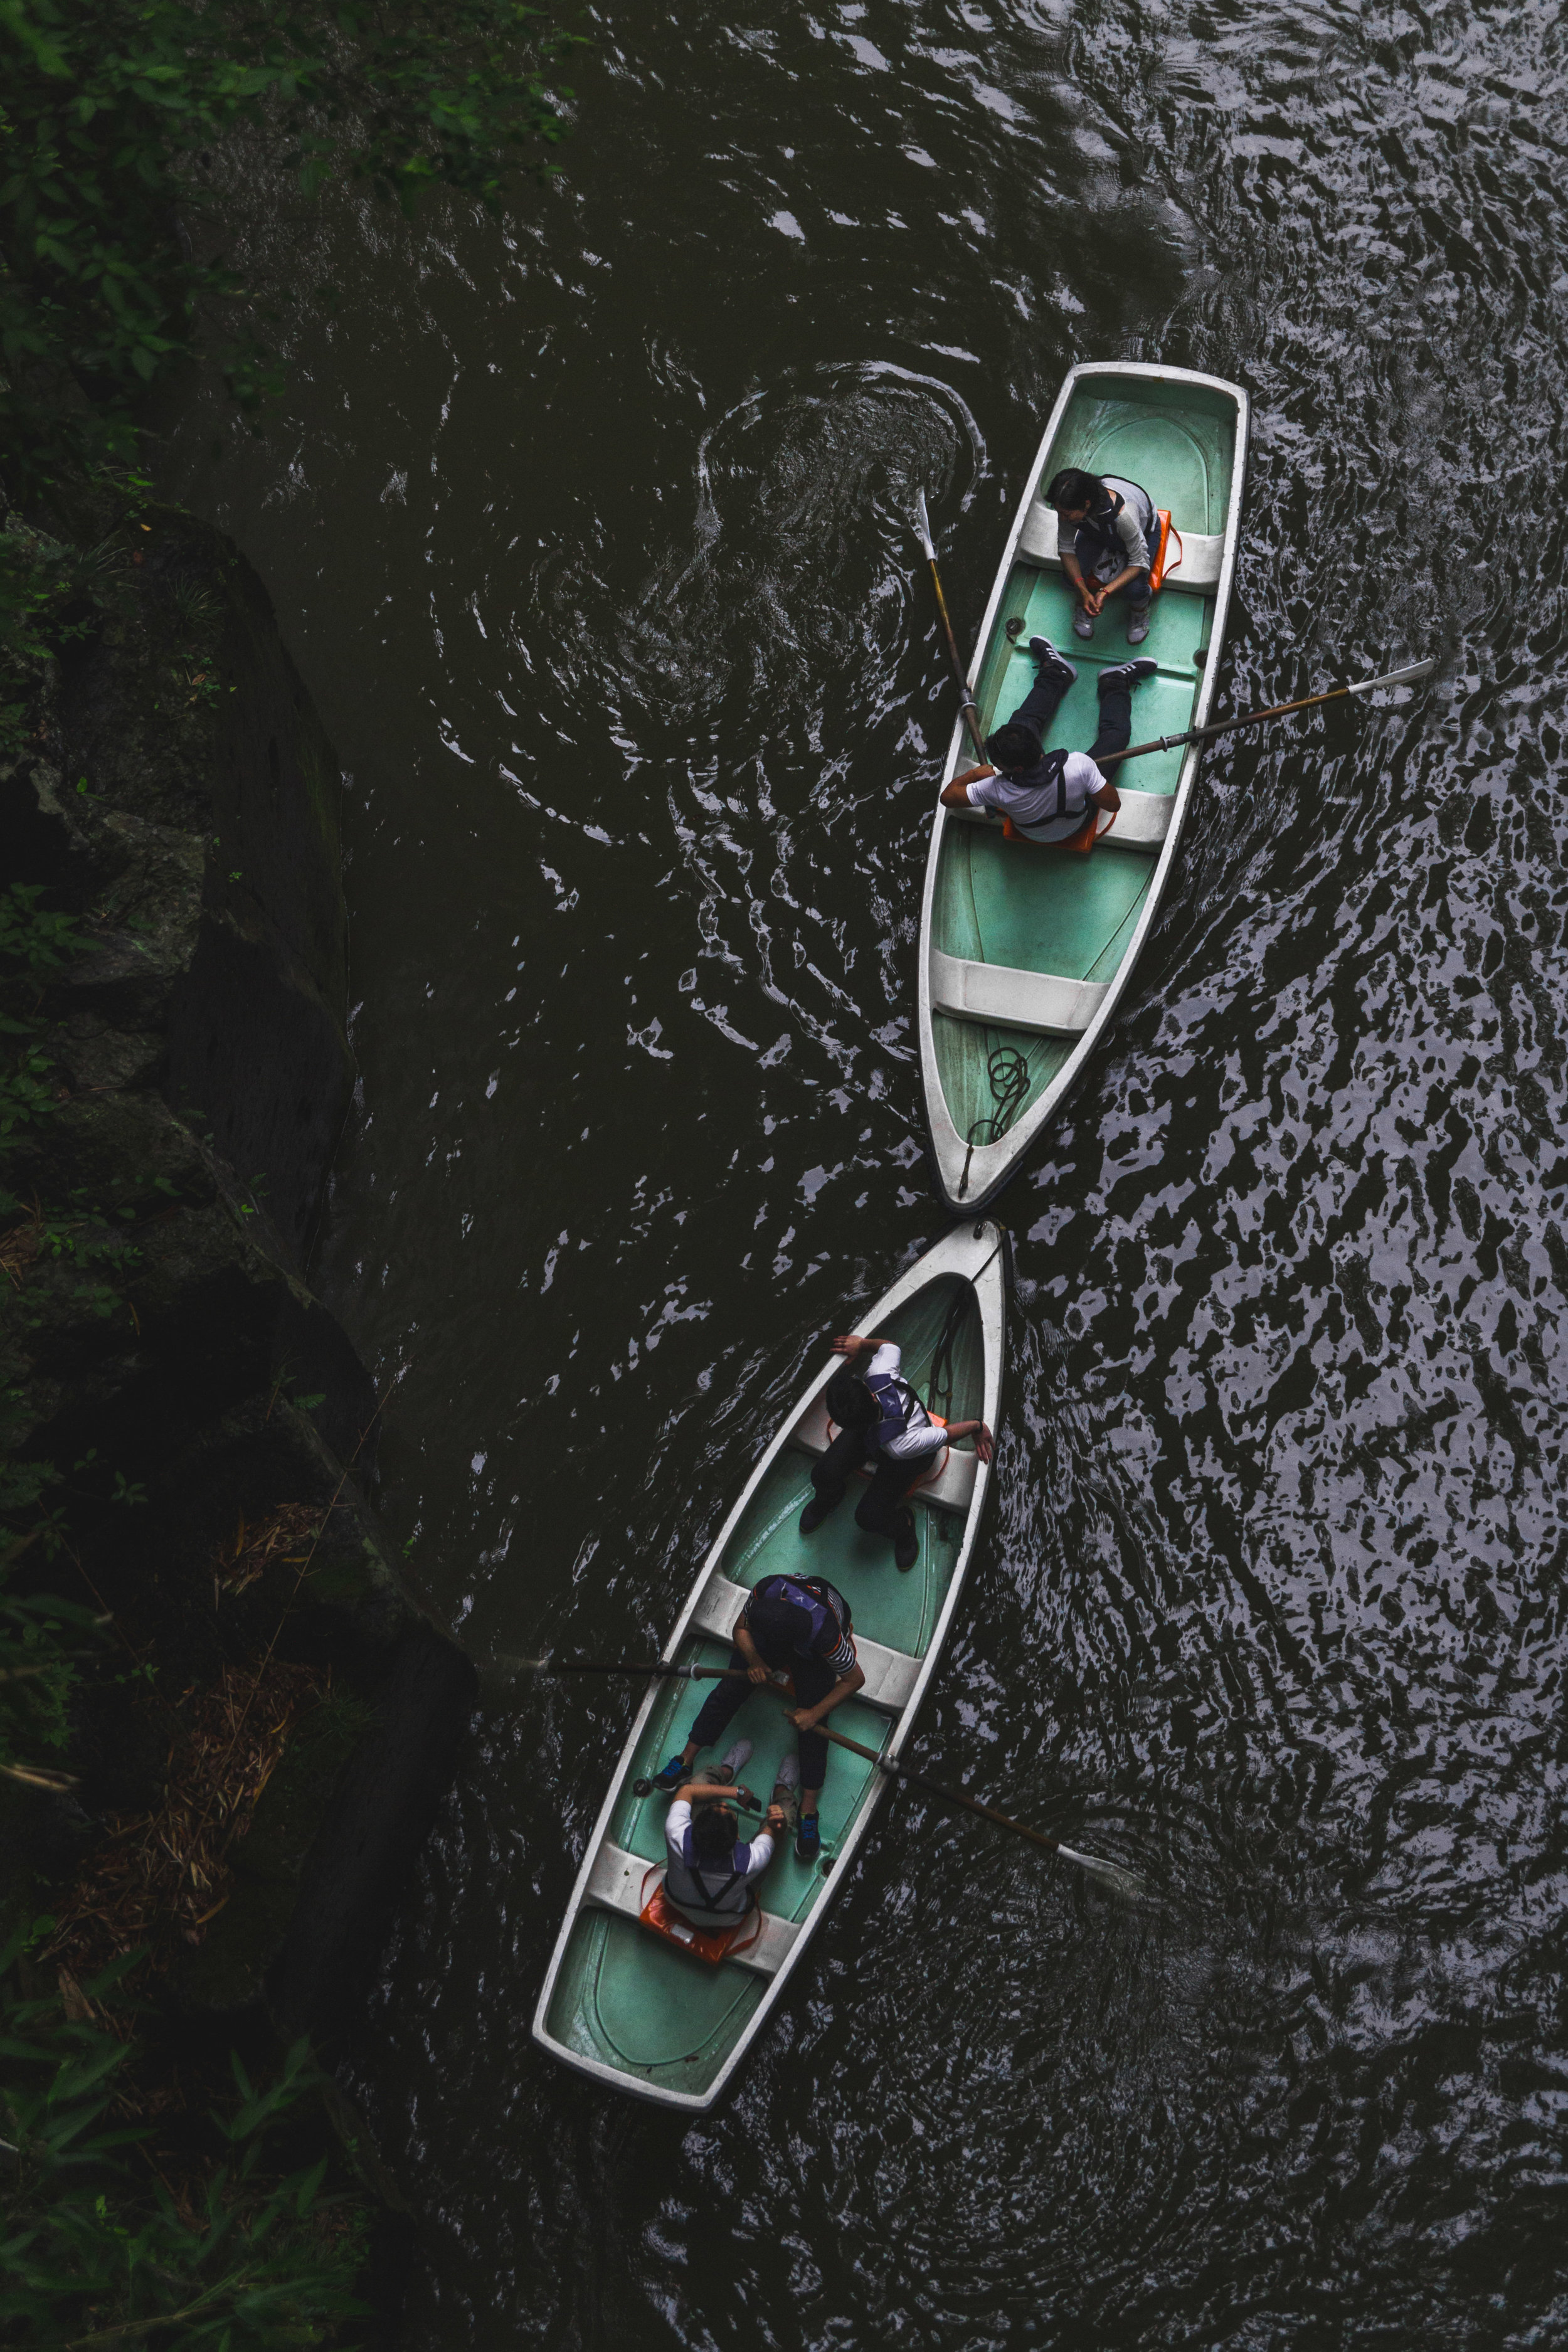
x: 626, y: 1997
x: 1063, y: 915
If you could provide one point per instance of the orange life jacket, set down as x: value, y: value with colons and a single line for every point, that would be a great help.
x: 709, y: 1944
x: 1168, y: 532
x: 1084, y: 839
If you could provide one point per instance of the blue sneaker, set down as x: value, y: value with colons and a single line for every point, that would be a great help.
x: 807, y: 1839
x: 671, y: 1777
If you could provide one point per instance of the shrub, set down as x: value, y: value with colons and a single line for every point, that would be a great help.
x: 111, y: 107
x: 241, y: 2254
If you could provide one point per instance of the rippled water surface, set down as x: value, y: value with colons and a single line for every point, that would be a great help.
x: 590, y: 535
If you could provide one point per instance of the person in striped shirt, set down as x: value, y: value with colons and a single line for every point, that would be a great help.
x: 797, y: 1625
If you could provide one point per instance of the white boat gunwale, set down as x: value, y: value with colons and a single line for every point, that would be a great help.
x: 973, y: 1250
x: 994, y: 1164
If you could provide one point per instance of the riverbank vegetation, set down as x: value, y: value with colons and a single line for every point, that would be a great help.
x: 113, y: 251
x: 222, y: 2234
x: 157, y: 2185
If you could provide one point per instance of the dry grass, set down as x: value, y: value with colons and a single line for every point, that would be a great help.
x: 21, y: 1245
x: 161, y: 1876
x: 253, y: 1550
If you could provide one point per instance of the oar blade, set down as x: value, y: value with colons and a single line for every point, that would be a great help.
x: 1396, y: 677
x: 923, y: 526
x: 1108, y: 1878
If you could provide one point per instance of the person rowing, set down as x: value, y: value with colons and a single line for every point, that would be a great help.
x: 709, y: 1876
x: 878, y: 1416
x: 799, y: 1626
x: 1046, y: 795
x: 1107, y: 532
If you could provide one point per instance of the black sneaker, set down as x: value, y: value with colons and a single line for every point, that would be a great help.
x: 672, y: 1775
x: 811, y: 1519
x: 807, y: 1839
x: 1128, y: 674
x: 906, y: 1542
x: 1047, y: 656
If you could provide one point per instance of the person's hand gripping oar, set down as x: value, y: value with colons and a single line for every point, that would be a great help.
x: 970, y: 711
x: 1109, y: 1876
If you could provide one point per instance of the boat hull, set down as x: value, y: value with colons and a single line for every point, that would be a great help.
x: 620, y: 2004
x: 1000, y: 920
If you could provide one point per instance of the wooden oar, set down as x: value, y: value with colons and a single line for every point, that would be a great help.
x: 970, y: 712
x: 1108, y: 1875
x: 1256, y: 717
x: 628, y: 1666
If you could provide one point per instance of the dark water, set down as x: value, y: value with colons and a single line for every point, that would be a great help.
x: 590, y: 538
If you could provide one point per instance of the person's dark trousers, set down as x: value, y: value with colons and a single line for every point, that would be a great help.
x: 892, y: 1480
x: 722, y: 1703
x: 813, y: 1680
x: 1042, y: 702
x: 1115, y: 722
x: 878, y: 1509
x: 1037, y: 710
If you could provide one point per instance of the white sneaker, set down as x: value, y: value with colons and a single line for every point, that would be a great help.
x: 733, y: 1758
x: 788, y: 1774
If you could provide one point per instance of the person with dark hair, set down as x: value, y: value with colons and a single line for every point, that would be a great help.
x: 1046, y: 795
x: 880, y: 1416
x: 1107, y: 535
x: 794, y: 1625
x: 709, y: 1876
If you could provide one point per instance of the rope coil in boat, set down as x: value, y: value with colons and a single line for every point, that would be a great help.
x: 1008, y: 1072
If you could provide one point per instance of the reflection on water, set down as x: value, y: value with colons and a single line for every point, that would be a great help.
x: 592, y: 538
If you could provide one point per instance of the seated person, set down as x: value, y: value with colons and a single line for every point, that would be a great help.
x: 1107, y: 532
x: 800, y: 1626
x: 1047, y: 794
x: 710, y: 1877
x: 880, y: 1415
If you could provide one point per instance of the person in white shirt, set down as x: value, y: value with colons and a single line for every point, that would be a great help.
x: 709, y: 1876
x: 879, y: 1418
x: 1046, y: 795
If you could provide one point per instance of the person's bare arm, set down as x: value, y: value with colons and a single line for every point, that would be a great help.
x: 1074, y: 570
x: 806, y: 1718
x: 984, y: 1444
x: 756, y: 1665
x: 853, y: 1343
x: 956, y: 795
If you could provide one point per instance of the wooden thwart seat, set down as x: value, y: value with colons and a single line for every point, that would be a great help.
x: 616, y: 1883
x: 889, y: 1674
x: 1004, y: 997
x: 1143, y: 820
x: 1202, y: 552
x: 952, y: 1491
